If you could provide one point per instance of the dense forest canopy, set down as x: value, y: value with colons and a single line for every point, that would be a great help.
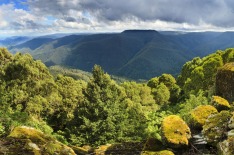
x: 101, y: 111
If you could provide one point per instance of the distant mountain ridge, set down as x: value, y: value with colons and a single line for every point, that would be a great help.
x: 136, y: 54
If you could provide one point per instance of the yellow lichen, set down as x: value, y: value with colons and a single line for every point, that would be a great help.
x: 220, y: 103
x: 37, y: 142
x: 164, y: 152
x: 28, y: 132
x: 201, y: 113
x: 175, y: 131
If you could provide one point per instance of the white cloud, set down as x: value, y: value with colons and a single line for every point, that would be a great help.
x: 51, y: 16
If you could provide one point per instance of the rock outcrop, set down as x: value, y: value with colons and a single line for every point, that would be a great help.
x: 27, y: 140
x: 225, y: 82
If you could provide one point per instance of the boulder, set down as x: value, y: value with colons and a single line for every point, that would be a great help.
x: 175, y: 132
x: 164, y: 152
x: 220, y: 103
x: 225, y: 82
x: 201, y: 113
x: 226, y: 147
x: 216, y: 127
x: 27, y: 140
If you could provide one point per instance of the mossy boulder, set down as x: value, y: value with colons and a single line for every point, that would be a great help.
x: 175, y: 132
x: 220, y: 103
x: 163, y: 152
x: 201, y: 113
x: 31, y: 141
x: 231, y: 122
x: 225, y: 82
x: 226, y: 147
x: 216, y: 127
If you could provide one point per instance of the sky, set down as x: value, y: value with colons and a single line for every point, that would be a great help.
x: 39, y: 17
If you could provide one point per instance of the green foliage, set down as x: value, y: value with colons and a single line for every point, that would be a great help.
x: 103, y: 111
x: 199, y: 74
x: 140, y: 94
x: 191, y: 103
x: 157, y: 84
x: 70, y: 92
x: 154, y: 121
x: 102, y: 117
x: 161, y: 94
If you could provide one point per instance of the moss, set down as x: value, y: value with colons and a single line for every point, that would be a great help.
x: 175, y: 131
x: 201, y: 113
x: 225, y: 82
x: 231, y: 122
x: 31, y: 141
x: 28, y: 132
x: 220, y: 103
x: 226, y: 147
x: 216, y: 126
x: 164, y: 152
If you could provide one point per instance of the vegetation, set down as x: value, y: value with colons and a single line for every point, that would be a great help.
x: 39, y: 109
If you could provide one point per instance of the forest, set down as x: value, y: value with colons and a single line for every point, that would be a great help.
x: 44, y: 113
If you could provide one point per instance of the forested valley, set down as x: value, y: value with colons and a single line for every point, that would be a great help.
x: 41, y: 113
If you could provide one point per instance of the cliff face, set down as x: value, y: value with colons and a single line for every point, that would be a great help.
x: 225, y: 82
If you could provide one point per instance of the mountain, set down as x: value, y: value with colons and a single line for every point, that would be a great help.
x: 12, y: 41
x: 136, y: 54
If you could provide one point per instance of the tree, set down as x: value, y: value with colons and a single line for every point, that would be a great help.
x: 100, y: 118
x: 161, y: 94
x: 70, y: 91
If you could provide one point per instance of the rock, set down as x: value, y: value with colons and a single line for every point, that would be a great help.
x: 175, y: 132
x: 27, y: 140
x: 226, y: 147
x: 216, y: 127
x: 231, y: 122
x: 153, y: 144
x: 164, y: 152
x: 198, y: 139
x: 201, y: 113
x: 225, y: 82
x: 220, y: 103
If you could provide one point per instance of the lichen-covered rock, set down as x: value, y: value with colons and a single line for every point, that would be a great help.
x: 220, y: 103
x: 231, y: 122
x: 216, y: 127
x: 201, y: 113
x: 175, y: 132
x: 226, y: 147
x: 164, y: 152
x: 27, y: 140
x: 225, y: 82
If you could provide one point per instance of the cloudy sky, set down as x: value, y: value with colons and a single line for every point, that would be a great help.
x: 35, y: 17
